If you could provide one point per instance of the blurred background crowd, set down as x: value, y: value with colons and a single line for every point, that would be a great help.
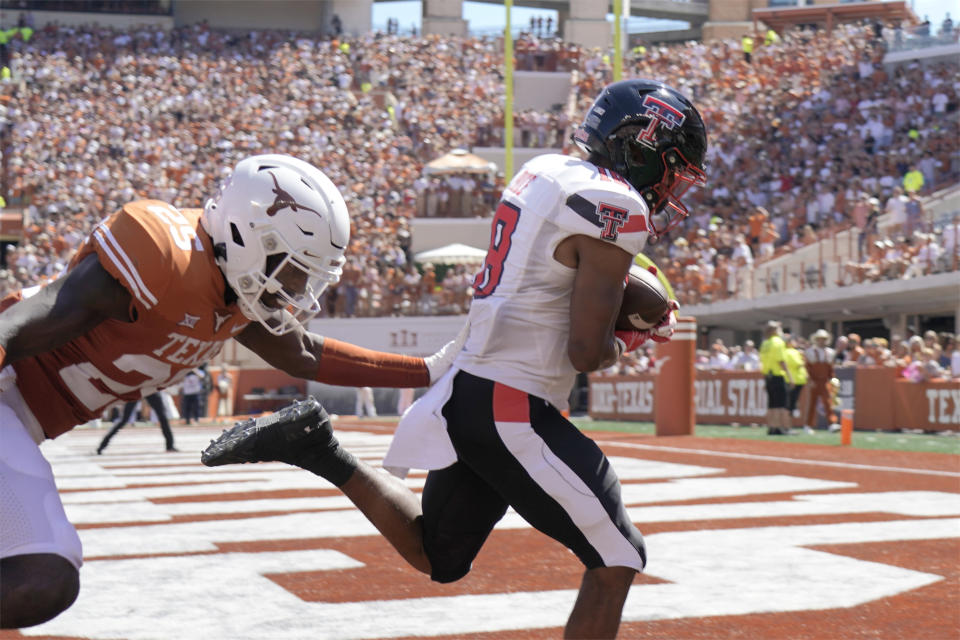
x: 809, y: 136
x: 919, y: 358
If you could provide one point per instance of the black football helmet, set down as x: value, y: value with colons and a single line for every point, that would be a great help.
x: 655, y: 138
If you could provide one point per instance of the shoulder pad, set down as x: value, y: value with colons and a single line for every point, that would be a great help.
x: 600, y: 203
x: 136, y: 248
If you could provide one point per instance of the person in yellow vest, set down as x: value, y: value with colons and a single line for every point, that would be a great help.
x: 913, y: 180
x: 747, y: 42
x: 797, y: 366
x: 776, y: 375
x: 771, y: 37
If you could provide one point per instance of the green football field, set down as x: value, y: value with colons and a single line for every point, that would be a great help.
x: 947, y: 442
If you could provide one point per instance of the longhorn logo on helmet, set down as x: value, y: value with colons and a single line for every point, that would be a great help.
x: 284, y: 200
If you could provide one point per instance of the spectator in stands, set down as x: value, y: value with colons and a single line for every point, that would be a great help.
x: 756, y: 221
x: 913, y: 180
x: 948, y: 342
x: 840, y: 350
x: 747, y: 358
x: 915, y: 345
x: 924, y: 368
x: 866, y: 218
x: 925, y: 259
x: 854, y: 349
x: 768, y: 239
x: 954, y: 354
x: 896, y: 207
x: 742, y: 256
x: 951, y: 246
x: 900, y: 356
x: 873, y: 354
x: 719, y: 358
x: 915, y: 214
x: 170, y: 153
x: 874, y: 267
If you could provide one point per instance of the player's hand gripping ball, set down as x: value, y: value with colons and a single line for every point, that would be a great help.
x: 645, y: 301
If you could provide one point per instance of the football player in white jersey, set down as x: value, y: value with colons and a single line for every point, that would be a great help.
x: 491, y: 430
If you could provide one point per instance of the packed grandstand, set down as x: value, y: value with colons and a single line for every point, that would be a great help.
x: 813, y: 136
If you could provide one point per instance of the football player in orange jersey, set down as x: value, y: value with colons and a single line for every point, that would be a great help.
x: 152, y: 293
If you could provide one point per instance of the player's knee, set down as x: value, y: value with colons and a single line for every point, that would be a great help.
x: 448, y: 567
x: 36, y: 588
x: 610, y: 580
x: 451, y: 559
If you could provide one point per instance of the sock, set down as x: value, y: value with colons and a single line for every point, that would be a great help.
x: 336, y: 464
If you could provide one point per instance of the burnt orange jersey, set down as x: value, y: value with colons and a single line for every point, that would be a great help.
x: 178, y: 318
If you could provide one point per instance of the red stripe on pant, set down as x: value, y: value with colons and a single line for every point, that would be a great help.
x: 509, y: 404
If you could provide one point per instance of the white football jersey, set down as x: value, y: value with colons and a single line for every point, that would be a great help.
x: 520, y: 314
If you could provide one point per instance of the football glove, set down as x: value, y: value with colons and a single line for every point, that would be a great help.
x: 442, y: 360
x: 663, y: 330
x: 628, y: 341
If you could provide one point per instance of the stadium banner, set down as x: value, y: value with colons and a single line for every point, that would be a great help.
x: 622, y: 397
x: 932, y: 406
x: 720, y: 397
x: 739, y: 397
x: 873, y: 396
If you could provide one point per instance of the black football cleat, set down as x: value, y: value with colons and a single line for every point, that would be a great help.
x: 294, y: 434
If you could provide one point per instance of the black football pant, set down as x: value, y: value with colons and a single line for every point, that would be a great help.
x: 156, y: 403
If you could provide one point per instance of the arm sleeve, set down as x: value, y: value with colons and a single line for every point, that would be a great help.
x: 348, y: 365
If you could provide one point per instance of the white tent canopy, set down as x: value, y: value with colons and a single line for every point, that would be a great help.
x: 459, y: 161
x: 455, y: 253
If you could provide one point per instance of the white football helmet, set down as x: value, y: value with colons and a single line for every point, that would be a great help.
x: 279, y: 228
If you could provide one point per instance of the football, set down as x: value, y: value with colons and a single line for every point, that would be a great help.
x: 645, y: 301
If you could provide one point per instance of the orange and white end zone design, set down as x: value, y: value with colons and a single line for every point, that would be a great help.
x: 745, y: 540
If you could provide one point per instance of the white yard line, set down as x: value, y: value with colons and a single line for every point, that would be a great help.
x: 753, y: 456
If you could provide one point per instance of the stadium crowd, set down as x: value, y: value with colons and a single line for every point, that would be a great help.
x: 806, y: 140
x: 813, y: 135
x: 919, y: 358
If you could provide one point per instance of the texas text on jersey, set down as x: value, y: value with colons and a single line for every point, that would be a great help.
x: 178, y: 319
x: 521, y: 285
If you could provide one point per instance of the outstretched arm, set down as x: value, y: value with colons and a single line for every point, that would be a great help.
x: 313, y: 357
x: 59, y: 312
